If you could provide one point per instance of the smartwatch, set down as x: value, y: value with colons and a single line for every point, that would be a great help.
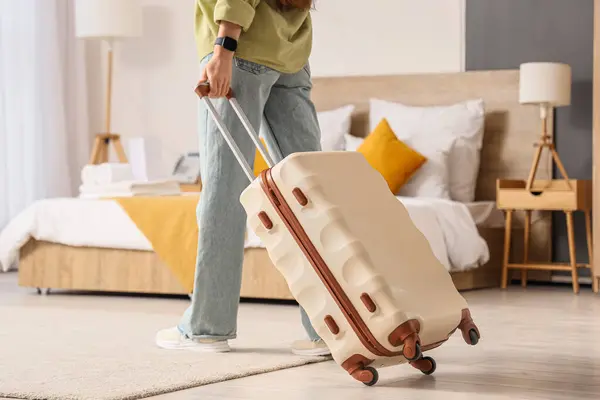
x: 227, y: 43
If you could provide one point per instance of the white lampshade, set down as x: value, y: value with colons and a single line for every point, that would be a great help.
x: 108, y: 19
x: 545, y: 83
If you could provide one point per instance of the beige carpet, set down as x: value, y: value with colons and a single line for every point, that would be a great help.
x: 74, y: 347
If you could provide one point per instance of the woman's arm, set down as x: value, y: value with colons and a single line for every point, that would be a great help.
x: 233, y: 16
x: 219, y: 69
x: 230, y: 29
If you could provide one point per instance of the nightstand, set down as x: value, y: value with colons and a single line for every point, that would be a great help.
x: 191, y: 187
x: 562, y: 195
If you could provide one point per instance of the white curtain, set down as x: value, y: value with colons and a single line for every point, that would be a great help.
x: 44, y: 136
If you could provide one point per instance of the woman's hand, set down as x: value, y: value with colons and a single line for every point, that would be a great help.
x: 218, y: 73
x: 219, y: 69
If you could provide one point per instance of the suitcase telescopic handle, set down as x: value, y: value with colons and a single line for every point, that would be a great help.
x: 202, y: 90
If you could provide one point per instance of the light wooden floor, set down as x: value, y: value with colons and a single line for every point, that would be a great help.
x: 539, y: 343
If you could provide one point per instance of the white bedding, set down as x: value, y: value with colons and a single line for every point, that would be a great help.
x: 449, y: 227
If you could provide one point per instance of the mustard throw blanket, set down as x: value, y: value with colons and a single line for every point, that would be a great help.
x: 169, y: 223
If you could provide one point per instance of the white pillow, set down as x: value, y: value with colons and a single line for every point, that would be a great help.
x: 431, y: 180
x: 455, y: 130
x: 352, y: 142
x: 334, y: 125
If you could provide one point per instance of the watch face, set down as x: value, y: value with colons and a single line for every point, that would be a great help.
x: 231, y: 44
x: 227, y: 43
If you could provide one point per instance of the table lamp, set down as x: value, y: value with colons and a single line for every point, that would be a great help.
x: 547, y: 85
x: 109, y: 21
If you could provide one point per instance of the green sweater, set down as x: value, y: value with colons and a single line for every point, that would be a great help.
x: 281, y: 40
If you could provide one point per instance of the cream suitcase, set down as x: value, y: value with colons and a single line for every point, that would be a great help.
x: 353, y: 258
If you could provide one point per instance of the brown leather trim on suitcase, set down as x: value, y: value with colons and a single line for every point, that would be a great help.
x: 331, y: 324
x: 368, y: 302
x: 265, y: 220
x: 312, y: 254
x: 300, y: 197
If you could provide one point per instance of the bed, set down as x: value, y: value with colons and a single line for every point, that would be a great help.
x: 106, y: 253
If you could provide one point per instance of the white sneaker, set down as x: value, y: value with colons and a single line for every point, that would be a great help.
x: 173, y: 339
x: 310, y: 348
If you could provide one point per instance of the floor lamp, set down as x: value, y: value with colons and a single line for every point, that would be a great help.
x: 109, y: 21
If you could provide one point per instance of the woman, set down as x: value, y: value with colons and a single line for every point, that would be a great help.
x: 259, y: 48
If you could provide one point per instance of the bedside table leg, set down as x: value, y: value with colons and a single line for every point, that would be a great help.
x: 572, y: 254
x: 526, y: 247
x: 507, y: 232
x: 590, y: 246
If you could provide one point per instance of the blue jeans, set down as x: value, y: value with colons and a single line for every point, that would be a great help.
x: 291, y: 119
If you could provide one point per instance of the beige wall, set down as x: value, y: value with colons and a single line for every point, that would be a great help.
x: 155, y: 74
x: 387, y: 37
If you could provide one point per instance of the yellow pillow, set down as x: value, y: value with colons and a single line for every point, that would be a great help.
x: 391, y: 157
x: 259, y: 162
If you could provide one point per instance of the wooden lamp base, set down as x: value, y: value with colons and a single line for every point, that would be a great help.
x: 546, y: 142
x: 102, y: 147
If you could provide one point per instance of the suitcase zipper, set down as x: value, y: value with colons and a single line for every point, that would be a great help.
x: 312, y: 254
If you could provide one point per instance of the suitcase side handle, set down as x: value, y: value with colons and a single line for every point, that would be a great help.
x: 202, y: 90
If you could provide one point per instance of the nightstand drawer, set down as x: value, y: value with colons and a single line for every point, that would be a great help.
x: 544, y: 195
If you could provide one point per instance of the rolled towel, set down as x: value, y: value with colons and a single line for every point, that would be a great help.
x: 105, y: 174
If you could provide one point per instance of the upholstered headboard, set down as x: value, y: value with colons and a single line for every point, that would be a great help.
x: 510, y: 132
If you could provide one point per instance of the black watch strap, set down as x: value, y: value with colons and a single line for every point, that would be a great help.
x: 227, y: 43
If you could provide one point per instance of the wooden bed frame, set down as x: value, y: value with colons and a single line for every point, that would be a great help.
x: 510, y: 131
x: 56, y: 266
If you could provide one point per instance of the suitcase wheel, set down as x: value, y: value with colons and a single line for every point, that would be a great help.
x: 368, y: 376
x: 412, y: 348
x: 474, y: 336
x: 426, y: 365
x: 469, y: 330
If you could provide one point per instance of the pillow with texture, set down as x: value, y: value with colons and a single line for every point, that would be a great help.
x: 392, y: 158
x: 334, y: 125
x: 453, y: 131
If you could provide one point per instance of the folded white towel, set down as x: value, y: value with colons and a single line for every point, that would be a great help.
x: 130, y: 189
x: 107, y: 173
